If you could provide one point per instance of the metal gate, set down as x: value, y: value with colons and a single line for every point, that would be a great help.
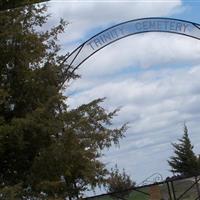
x: 175, y: 188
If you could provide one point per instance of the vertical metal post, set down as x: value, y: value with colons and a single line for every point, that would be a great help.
x: 173, y: 191
x: 197, y: 186
x: 169, y: 191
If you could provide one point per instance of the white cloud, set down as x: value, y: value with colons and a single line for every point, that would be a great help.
x: 156, y: 109
x: 148, y: 75
x: 85, y: 16
x: 143, y: 50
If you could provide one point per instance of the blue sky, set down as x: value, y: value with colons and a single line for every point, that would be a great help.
x: 153, y: 77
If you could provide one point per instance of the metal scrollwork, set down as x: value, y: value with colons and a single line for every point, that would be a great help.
x: 154, y: 178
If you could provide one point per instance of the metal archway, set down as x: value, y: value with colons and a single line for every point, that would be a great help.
x: 125, y: 29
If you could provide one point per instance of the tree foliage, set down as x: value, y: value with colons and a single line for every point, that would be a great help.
x: 119, y: 184
x: 46, y: 149
x: 184, y: 162
x: 9, y: 4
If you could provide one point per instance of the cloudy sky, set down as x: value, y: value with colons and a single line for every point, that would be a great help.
x: 153, y: 77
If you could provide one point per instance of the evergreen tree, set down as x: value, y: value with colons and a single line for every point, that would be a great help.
x: 185, y: 162
x: 119, y: 184
x: 46, y: 150
x: 9, y: 4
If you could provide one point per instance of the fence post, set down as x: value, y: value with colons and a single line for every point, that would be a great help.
x: 173, y: 191
x: 169, y: 191
x: 197, y: 186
